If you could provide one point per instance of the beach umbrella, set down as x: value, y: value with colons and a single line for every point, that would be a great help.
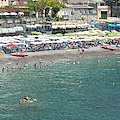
x: 13, y: 13
x: 6, y: 13
x: 12, y: 45
x: 118, y: 40
x: 21, y: 13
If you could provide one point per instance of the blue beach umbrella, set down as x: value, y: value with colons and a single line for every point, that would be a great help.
x: 118, y: 25
x: 94, y: 23
x: 111, y: 25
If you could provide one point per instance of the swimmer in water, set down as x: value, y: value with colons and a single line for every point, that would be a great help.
x: 24, y: 68
x: 40, y: 60
x: 73, y: 62
x: 98, y: 60
x: 7, y: 69
x: 13, y: 70
x: 17, y: 63
x: 68, y: 62
x: 107, y: 59
x: 78, y: 62
x: 3, y: 69
x: 51, y: 63
x: 35, y: 65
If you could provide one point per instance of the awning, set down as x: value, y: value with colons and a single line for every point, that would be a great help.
x: 11, y: 30
x: 21, y: 13
x: 38, y: 25
x: 13, y: 13
x: 111, y: 25
x: 30, y: 26
x: 0, y: 31
x: 5, y: 30
x: 118, y: 25
x: 6, y: 13
x: 18, y: 29
x: 94, y: 23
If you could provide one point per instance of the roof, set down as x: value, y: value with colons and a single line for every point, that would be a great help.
x: 80, y: 6
x: 84, y: 1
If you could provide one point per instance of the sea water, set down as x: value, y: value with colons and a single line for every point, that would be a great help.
x: 89, y: 90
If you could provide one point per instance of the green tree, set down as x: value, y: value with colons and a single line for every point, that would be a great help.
x: 54, y: 4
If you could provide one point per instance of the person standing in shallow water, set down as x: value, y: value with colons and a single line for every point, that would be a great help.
x: 40, y: 60
x: 3, y: 69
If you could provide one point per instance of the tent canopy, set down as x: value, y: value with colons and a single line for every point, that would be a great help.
x: 111, y: 25
x: 11, y: 30
x: 18, y: 29
x: 4, y: 30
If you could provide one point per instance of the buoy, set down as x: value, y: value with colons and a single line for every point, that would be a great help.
x: 113, y: 83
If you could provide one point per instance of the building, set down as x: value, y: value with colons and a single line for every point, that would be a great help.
x: 4, y: 3
x: 79, y: 9
x: 18, y: 2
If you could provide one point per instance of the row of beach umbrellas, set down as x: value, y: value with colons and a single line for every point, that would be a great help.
x: 11, y: 13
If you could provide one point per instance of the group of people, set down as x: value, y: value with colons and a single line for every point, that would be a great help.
x: 18, y: 67
x: 27, y: 99
x: 74, y: 62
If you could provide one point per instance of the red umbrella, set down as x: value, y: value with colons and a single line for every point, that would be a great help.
x: 119, y: 40
x: 12, y: 45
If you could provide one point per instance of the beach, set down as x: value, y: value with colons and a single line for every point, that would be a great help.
x: 57, y: 54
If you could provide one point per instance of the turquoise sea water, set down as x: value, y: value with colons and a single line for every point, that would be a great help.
x: 86, y: 91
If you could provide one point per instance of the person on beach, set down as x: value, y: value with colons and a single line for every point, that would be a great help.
x: 82, y: 50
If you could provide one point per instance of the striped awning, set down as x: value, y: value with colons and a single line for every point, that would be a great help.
x: 4, y: 30
x: 11, y: 30
x: 0, y: 31
x: 18, y: 29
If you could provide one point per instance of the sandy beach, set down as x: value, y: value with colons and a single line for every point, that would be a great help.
x: 57, y: 54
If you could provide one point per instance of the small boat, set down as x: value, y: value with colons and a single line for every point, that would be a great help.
x: 18, y: 54
x: 68, y: 50
x: 108, y: 47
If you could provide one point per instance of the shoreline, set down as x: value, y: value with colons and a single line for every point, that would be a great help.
x: 57, y: 54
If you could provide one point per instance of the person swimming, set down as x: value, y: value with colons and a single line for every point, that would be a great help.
x: 68, y: 62
x: 98, y: 60
x: 3, y: 69
x: 35, y: 65
x: 40, y: 60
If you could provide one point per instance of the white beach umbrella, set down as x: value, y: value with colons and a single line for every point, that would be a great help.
x: 13, y: 13
x: 6, y: 13
x: 21, y: 13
